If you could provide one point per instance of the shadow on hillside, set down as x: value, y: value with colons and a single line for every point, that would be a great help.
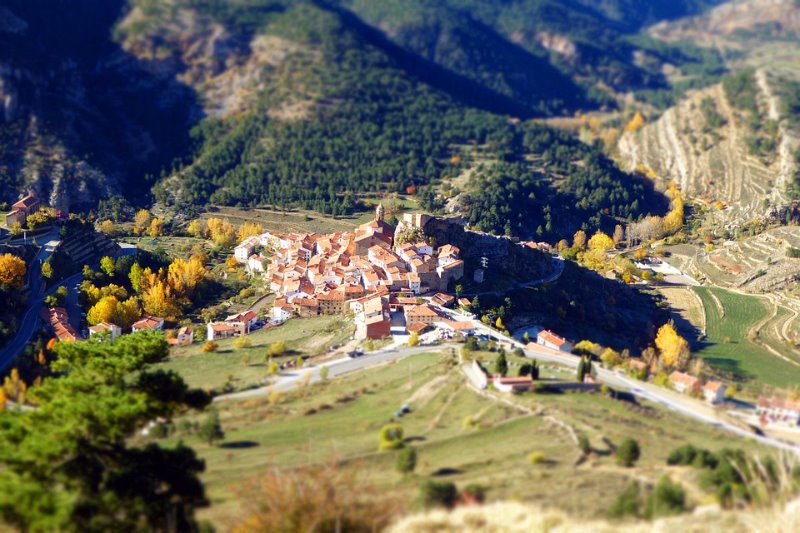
x: 461, y: 88
x: 105, y: 105
x: 239, y: 444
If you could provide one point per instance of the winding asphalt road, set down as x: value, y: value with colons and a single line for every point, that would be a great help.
x: 289, y: 380
x: 31, y: 321
x: 676, y: 402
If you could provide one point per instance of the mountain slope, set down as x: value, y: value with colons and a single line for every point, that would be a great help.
x: 81, y: 118
x: 295, y: 102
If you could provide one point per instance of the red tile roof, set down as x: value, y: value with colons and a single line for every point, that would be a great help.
x: 552, y: 338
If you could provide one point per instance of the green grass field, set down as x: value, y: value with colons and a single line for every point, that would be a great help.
x: 728, y: 347
x: 307, y: 337
x: 339, y: 421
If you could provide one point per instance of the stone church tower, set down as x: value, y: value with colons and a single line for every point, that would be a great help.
x: 379, y: 212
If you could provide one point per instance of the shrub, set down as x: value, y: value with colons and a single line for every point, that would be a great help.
x: 475, y: 492
x: 406, y: 460
x: 241, y: 342
x: 628, y: 452
x: 627, y: 503
x: 584, y: 444
x: 391, y: 437
x: 276, y: 349
x: 210, y: 346
x: 683, y: 455
x: 210, y: 429
x: 438, y: 494
x: 667, y: 499
x: 536, y: 458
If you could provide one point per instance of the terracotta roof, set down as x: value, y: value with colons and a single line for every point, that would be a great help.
x: 26, y: 202
x: 686, y: 379
x: 222, y: 326
x: 552, y: 338
x: 460, y: 325
x: 419, y: 327
x: 519, y: 380
x: 148, y: 322
x: 443, y: 298
x: 714, y: 386
x: 421, y: 310
x: 247, y: 316
x: 778, y: 403
x: 331, y: 296
x: 102, y: 326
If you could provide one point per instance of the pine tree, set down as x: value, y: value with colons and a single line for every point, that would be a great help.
x: 501, y: 364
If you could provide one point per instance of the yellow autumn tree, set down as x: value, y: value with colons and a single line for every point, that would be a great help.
x: 107, y: 227
x: 221, y: 232
x: 128, y: 312
x: 184, y: 276
x: 673, y: 350
x: 197, y: 228
x: 158, y: 300
x: 249, y: 229
x: 600, y: 242
x: 12, y: 271
x: 636, y: 122
x: 104, y: 310
x: 140, y: 221
x: 156, y: 227
x: 579, y: 239
x: 619, y: 234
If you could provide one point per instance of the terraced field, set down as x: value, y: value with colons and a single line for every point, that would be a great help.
x: 740, y: 338
x: 710, y: 166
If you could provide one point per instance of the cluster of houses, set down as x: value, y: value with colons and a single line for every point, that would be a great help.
x: 780, y: 411
x: 712, y: 391
x: 57, y: 320
x: 364, y: 272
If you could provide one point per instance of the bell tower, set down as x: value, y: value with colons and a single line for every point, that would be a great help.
x: 379, y: 212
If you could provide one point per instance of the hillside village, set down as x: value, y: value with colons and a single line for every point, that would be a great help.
x: 368, y: 272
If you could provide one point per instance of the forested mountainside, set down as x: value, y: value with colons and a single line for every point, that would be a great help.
x: 310, y: 102
x: 79, y: 117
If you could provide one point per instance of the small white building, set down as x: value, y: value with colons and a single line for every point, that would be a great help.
x: 245, y: 249
x: 480, y: 376
x: 714, y: 392
x: 685, y: 383
x: 512, y: 385
x: 103, y: 327
x: 550, y: 340
x: 281, y: 313
x: 185, y: 336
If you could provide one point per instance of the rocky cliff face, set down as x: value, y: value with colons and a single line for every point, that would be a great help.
x: 503, y: 253
x: 81, y: 118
